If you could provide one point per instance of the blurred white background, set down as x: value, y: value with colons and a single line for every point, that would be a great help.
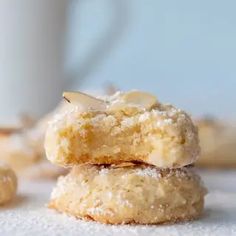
x: 183, y: 51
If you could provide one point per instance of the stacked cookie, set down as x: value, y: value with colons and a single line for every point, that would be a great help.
x: 131, y: 160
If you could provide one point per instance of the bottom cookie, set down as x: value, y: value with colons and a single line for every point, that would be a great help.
x: 132, y: 194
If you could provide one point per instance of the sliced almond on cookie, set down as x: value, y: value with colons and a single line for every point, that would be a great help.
x: 142, y: 99
x: 124, y: 164
x: 85, y: 101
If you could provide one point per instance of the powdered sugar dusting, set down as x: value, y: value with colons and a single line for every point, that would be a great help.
x: 104, y: 171
x: 124, y: 202
x: 59, y: 190
x: 148, y: 172
x: 99, y: 211
x: 59, y: 118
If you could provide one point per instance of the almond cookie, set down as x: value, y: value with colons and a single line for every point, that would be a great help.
x: 25, y: 155
x: 22, y: 148
x: 218, y: 144
x: 125, y: 127
x: 8, y: 184
x: 17, y: 151
x: 138, y: 194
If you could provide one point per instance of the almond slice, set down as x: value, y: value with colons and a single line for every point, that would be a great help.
x: 85, y: 101
x: 124, y: 164
x: 142, y: 99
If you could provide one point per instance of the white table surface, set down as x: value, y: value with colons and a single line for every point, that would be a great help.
x: 28, y: 214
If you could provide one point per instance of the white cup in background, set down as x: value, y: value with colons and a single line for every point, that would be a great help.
x: 31, y: 56
x: 32, y: 40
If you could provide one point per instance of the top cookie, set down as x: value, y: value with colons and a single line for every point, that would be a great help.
x: 126, y: 127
